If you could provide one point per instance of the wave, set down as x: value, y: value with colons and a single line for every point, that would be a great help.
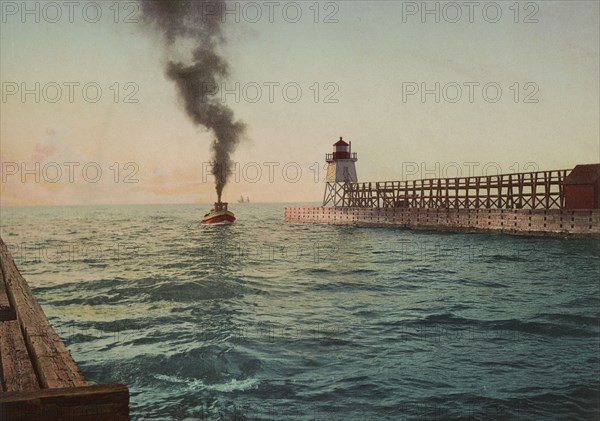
x: 232, y: 385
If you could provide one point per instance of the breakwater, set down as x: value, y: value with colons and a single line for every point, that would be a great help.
x: 554, y: 222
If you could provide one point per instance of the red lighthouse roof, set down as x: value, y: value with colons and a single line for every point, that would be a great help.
x: 340, y: 142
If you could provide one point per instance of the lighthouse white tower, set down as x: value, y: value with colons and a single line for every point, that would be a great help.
x: 340, y: 171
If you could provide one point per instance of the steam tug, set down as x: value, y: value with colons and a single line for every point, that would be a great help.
x: 218, y: 215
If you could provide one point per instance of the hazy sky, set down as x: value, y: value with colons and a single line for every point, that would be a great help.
x: 517, y: 87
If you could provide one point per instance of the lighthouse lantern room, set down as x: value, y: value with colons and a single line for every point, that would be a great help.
x: 341, y: 170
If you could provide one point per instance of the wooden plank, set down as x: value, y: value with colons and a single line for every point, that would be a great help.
x: 520, y: 179
x: 7, y: 312
x: 534, y: 191
x: 96, y: 402
x: 17, y: 370
x: 50, y: 364
x: 39, y: 379
x: 2, y: 386
x: 42, y: 342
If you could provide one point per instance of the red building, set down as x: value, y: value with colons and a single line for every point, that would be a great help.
x: 582, y: 187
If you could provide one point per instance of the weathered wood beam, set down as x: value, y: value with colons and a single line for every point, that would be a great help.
x: 39, y: 380
x: 89, y: 403
x: 16, y: 367
x: 50, y: 357
x: 7, y: 312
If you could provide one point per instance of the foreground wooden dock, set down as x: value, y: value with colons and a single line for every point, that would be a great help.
x: 39, y: 379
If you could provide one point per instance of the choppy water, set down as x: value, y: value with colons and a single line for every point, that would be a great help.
x: 264, y: 320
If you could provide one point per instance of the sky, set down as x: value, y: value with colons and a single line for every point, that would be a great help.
x: 87, y: 115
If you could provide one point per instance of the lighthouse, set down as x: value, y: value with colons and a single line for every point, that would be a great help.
x: 341, y: 170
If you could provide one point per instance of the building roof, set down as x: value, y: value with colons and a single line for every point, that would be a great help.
x: 340, y: 142
x: 584, y: 174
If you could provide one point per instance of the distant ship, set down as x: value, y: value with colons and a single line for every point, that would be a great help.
x: 219, y: 215
x: 241, y: 199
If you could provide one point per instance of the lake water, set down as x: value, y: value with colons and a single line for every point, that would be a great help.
x: 267, y: 320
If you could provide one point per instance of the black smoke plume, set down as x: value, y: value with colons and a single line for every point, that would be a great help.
x: 200, y: 21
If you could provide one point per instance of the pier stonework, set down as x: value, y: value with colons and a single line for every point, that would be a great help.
x: 554, y: 222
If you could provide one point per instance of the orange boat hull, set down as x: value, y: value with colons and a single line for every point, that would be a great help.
x: 219, y: 218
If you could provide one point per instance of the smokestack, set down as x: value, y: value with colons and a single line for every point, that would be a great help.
x: 200, y: 21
